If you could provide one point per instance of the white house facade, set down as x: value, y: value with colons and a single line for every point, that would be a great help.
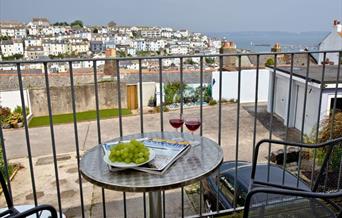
x: 333, y: 41
x: 295, y: 102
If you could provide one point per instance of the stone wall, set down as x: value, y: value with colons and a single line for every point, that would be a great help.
x: 10, y: 82
x: 188, y: 77
x: 61, y: 99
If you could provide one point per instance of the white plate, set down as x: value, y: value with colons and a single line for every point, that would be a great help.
x: 127, y: 165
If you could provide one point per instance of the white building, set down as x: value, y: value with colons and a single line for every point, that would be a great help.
x: 166, y: 34
x: 12, y: 29
x: 281, y: 96
x: 155, y: 45
x: 333, y: 41
x: 34, y: 52
x: 151, y: 32
x: 11, y: 47
x: 140, y: 44
x: 32, y: 42
x: 178, y: 49
x: 17, y: 32
x: 121, y: 39
x: 55, y: 47
x: 79, y: 47
x: 184, y: 33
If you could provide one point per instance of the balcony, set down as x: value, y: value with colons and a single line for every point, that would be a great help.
x: 288, y: 99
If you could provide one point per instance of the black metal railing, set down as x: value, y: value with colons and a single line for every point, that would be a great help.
x: 220, y: 58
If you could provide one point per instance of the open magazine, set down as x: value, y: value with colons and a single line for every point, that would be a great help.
x: 166, y: 153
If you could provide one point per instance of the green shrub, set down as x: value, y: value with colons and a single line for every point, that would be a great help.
x: 19, y: 110
x: 14, y: 119
x: 2, y: 165
x: 5, y: 112
x: 324, y: 135
x: 212, y: 102
x: 152, y: 101
x: 206, y: 91
x: 269, y: 62
x: 172, y: 92
x: 165, y: 109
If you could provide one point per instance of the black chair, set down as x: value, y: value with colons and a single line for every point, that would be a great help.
x: 14, y: 213
x: 277, y: 200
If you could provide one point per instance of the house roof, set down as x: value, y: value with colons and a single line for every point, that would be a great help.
x: 299, y: 59
x: 315, y: 73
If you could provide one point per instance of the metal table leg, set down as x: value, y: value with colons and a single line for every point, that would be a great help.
x: 155, y: 204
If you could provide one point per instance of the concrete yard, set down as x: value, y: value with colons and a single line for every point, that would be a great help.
x: 87, y: 134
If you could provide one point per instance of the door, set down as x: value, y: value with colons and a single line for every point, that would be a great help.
x: 280, y: 100
x: 299, y: 107
x: 132, y: 97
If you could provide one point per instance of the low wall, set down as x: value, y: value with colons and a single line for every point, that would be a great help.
x: 61, y: 100
x: 248, y: 77
x: 11, y: 99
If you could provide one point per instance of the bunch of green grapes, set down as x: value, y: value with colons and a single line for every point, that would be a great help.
x: 131, y: 152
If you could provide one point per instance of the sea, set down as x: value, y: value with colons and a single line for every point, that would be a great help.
x: 264, y: 41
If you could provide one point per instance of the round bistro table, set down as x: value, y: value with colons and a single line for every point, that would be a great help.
x: 197, y: 163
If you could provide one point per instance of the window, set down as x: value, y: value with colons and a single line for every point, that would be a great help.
x: 227, y: 188
x: 338, y: 104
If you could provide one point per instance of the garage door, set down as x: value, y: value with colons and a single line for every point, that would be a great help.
x: 299, y: 107
x: 281, y: 91
x: 311, y: 111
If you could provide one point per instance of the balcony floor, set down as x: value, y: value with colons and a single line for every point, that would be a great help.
x: 64, y: 134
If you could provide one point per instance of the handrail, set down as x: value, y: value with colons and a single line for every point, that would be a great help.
x: 163, y: 57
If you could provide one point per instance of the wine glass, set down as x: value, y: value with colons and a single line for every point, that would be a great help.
x: 177, y: 122
x: 193, y: 124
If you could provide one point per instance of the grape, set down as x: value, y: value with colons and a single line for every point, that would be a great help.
x: 131, y: 152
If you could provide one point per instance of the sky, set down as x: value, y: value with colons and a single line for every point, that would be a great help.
x: 195, y: 15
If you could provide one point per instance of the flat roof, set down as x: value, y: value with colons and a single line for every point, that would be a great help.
x: 315, y: 73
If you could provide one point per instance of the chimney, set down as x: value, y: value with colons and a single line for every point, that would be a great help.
x: 229, y: 62
x: 337, y: 26
x: 110, y: 66
x: 336, y: 22
x: 276, y: 48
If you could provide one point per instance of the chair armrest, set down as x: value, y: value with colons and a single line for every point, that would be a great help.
x: 34, y: 210
x: 295, y: 193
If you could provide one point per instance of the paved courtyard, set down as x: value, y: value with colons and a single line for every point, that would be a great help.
x: 87, y: 134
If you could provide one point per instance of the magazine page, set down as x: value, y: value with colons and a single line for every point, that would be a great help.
x: 166, y: 152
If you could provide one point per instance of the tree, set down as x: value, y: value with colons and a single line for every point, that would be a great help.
x: 136, y: 34
x: 5, y: 38
x: 77, y: 24
x: 189, y: 61
x: 14, y: 57
x: 95, y: 30
x: 111, y: 24
x: 121, y: 53
x: 61, y: 24
x: 269, y: 62
x: 210, y: 60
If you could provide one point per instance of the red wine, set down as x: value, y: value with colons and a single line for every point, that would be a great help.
x: 176, y: 123
x: 192, y: 125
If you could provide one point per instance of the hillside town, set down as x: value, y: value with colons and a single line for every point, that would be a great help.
x: 40, y: 39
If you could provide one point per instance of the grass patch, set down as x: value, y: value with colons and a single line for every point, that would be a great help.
x: 80, y: 116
